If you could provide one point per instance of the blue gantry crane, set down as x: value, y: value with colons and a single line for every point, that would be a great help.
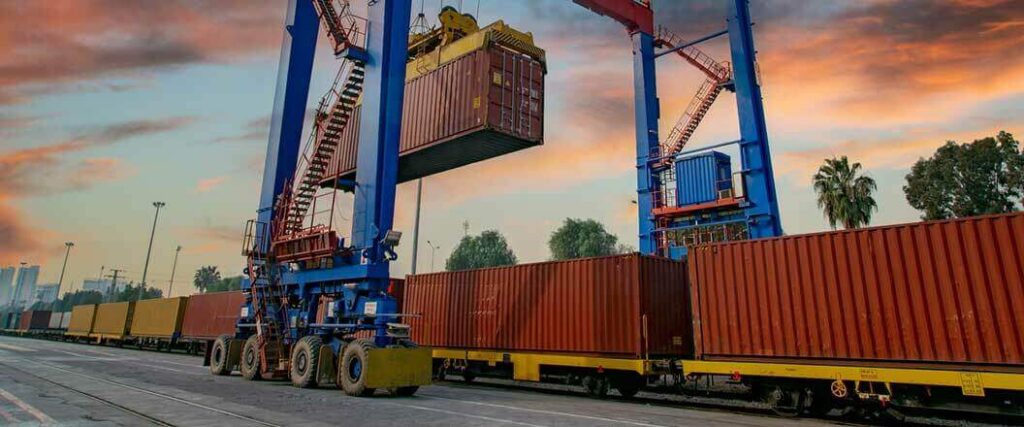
x: 692, y: 197
x: 317, y: 305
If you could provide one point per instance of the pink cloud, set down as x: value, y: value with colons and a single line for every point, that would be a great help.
x: 209, y: 184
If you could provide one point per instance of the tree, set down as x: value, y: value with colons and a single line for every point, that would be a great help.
x: 205, y: 277
x: 982, y: 177
x: 489, y: 249
x: 226, y: 284
x: 130, y: 292
x: 844, y: 194
x: 70, y: 300
x: 582, y: 238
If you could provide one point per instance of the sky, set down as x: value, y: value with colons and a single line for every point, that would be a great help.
x: 107, y: 106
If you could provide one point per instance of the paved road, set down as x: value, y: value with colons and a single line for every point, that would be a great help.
x: 46, y: 382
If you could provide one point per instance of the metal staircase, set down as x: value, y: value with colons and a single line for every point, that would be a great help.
x: 328, y: 128
x: 719, y: 76
x: 269, y: 301
x: 344, y: 29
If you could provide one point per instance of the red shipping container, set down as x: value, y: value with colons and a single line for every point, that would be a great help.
x: 481, y: 105
x: 619, y: 306
x: 208, y: 316
x: 34, y: 319
x: 948, y: 291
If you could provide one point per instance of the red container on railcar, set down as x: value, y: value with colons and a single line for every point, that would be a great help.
x: 33, y: 320
x: 617, y: 306
x: 930, y: 292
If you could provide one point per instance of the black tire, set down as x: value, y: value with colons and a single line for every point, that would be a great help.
x: 250, y: 363
x: 219, y: 356
x: 596, y: 386
x: 404, y: 391
x: 352, y: 367
x: 305, y: 366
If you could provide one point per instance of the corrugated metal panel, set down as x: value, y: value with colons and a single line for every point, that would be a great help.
x: 65, y: 319
x: 949, y: 291
x: 55, y: 318
x: 34, y: 319
x: 699, y: 177
x: 82, y: 319
x: 209, y: 316
x: 481, y: 105
x: 592, y: 306
x: 113, y: 319
x: 158, y: 318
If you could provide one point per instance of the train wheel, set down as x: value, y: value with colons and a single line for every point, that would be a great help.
x: 352, y: 368
x: 784, y: 401
x: 596, y: 385
x: 305, y: 361
x: 219, y: 356
x: 628, y: 385
x: 250, y: 365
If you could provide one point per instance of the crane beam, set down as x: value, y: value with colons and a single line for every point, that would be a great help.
x: 635, y: 15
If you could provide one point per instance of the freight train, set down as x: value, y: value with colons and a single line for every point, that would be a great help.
x: 884, y: 319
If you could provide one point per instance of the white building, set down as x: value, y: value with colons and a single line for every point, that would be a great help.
x: 46, y: 293
x: 6, y: 285
x: 25, y: 285
x: 99, y: 285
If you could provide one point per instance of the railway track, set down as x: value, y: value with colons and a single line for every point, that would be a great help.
x: 120, y: 407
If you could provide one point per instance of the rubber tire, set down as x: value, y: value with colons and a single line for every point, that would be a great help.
x: 221, y: 346
x: 309, y: 348
x: 404, y: 391
x: 355, y: 350
x: 250, y: 363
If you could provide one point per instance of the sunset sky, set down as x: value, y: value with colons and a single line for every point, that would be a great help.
x: 108, y: 105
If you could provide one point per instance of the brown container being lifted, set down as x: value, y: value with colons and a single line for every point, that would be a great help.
x: 922, y: 293
x: 485, y: 99
x: 208, y: 316
x: 619, y: 306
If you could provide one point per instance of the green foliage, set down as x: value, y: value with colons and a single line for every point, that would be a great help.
x: 844, y: 195
x: 582, y: 238
x: 130, y: 292
x: 226, y: 284
x: 70, y: 300
x: 960, y: 180
x: 489, y: 249
x: 205, y: 277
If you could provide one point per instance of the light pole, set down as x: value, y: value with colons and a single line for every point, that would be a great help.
x: 416, y: 225
x: 173, y: 267
x: 61, y: 280
x: 149, y: 251
x: 432, y: 249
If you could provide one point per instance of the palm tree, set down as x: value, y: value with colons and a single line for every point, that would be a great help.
x: 206, y: 277
x: 844, y: 195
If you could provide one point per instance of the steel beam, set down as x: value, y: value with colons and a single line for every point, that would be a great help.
x: 290, y: 97
x: 763, y: 213
x: 646, y: 113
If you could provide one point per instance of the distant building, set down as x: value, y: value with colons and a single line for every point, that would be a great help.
x: 99, y: 285
x: 25, y: 285
x: 6, y: 285
x: 46, y: 293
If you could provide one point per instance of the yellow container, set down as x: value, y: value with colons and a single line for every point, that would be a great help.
x: 113, y: 320
x: 82, y: 317
x: 158, y: 318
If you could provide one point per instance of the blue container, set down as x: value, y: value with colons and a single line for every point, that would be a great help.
x: 700, y: 177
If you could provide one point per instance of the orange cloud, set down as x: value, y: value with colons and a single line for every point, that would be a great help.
x: 209, y: 184
x: 64, y: 41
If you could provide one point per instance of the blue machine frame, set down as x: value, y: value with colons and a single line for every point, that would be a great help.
x: 759, y: 209
x: 358, y: 281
